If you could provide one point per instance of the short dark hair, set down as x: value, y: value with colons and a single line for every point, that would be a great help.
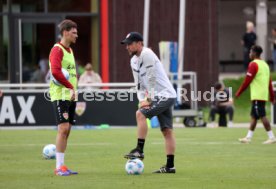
x: 257, y: 50
x: 218, y: 85
x: 66, y: 25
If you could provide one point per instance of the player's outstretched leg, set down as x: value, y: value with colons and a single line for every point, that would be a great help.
x: 142, y: 130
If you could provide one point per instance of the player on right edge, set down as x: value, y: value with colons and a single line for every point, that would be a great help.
x: 258, y: 77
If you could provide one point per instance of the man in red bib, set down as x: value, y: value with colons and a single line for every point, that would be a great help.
x: 63, y: 94
x: 258, y: 77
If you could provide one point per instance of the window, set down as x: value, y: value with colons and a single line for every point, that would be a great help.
x: 69, y: 6
x: 3, y: 5
x: 4, y: 48
x: 27, y: 5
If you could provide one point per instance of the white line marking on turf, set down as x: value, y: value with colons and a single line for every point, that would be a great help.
x: 198, y: 143
x: 81, y: 144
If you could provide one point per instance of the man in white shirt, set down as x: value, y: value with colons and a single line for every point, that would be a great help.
x: 156, y: 98
x: 90, y: 76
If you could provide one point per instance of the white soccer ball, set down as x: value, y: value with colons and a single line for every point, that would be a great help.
x: 49, y: 151
x: 134, y: 167
x: 65, y: 73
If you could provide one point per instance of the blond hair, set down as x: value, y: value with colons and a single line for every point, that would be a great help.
x: 249, y: 25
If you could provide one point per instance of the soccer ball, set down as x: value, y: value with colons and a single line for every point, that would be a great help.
x: 49, y: 151
x: 134, y: 167
x: 65, y: 73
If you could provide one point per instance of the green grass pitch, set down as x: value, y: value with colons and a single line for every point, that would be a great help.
x: 205, y: 158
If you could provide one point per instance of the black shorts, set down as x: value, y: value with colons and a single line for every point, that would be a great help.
x: 162, y: 108
x: 65, y: 111
x: 258, y: 109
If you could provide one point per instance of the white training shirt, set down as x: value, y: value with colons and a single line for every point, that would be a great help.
x: 150, y: 76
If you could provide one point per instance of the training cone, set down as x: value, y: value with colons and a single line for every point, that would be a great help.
x: 149, y: 123
x: 104, y: 126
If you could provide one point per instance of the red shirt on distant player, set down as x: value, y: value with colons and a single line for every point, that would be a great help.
x: 251, y: 72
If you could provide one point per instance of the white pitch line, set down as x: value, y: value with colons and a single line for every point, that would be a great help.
x: 83, y: 144
x: 198, y: 143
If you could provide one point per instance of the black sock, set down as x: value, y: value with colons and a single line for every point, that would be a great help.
x: 170, y: 161
x: 140, y: 144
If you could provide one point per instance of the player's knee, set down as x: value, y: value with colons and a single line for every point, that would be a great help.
x: 64, y: 130
x: 167, y: 132
x: 63, y: 134
x: 139, y: 115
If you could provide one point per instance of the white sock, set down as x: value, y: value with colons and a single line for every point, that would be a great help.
x: 270, y: 134
x: 59, y: 159
x: 249, y: 134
